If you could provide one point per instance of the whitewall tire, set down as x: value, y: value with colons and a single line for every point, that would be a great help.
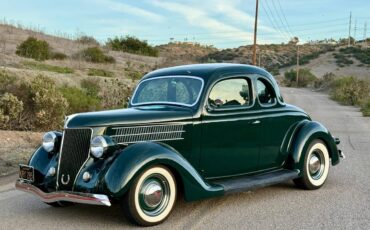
x: 151, y: 197
x: 316, y: 166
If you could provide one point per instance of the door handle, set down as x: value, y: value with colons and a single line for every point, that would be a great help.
x: 256, y: 122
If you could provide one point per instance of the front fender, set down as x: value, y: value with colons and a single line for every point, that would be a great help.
x: 308, y: 132
x: 134, y: 159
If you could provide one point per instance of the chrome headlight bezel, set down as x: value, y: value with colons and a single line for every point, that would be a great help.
x: 98, y: 146
x: 49, y: 142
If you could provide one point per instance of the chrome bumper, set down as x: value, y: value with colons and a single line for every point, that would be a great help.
x: 76, y: 197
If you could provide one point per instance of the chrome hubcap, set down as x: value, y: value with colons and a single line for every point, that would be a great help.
x: 316, y: 165
x: 154, y: 195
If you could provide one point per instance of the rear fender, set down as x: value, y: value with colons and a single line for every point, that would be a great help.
x: 134, y: 159
x: 305, y: 134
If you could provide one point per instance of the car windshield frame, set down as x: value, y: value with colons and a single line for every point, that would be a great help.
x: 168, y: 102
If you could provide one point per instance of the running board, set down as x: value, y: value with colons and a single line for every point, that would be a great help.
x: 246, y: 183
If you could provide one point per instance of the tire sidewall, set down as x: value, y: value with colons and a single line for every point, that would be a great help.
x: 311, y: 182
x: 136, y: 211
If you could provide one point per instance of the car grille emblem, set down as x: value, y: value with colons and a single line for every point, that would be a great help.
x: 63, y: 181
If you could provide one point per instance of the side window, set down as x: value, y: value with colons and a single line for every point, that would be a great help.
x: 265, y: 93
x: 230, y: 93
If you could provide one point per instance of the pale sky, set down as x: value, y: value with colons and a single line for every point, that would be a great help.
x: 223, y: 23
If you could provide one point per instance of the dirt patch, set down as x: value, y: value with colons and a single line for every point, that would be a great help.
x: 16, y: 147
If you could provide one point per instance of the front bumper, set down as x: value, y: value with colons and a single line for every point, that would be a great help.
x: 76, y: 197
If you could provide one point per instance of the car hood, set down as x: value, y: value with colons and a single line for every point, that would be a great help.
x: 135, y: 115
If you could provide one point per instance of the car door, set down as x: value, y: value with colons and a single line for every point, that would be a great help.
x: 275, y: 122
x: 230, y: 133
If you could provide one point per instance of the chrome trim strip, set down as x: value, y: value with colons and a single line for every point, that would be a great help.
x: 135, y: 134
x: 164, y: 102
x: 172, y: 139
x: 76, y: 197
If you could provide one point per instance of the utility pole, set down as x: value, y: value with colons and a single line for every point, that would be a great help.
x: 349, y: 30
x: 297, y: 65
x: 365, y: 37
x: 354, y: 35
x: 255, y: 36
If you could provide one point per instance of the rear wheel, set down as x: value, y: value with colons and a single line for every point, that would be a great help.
x: 316, y: 166
x: 151, y: 197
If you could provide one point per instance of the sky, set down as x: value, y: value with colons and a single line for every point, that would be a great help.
x: 222, y: 23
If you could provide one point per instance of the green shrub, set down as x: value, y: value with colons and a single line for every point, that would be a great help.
x: 92, y: 86
x: 10, y: 109
x: 7, y: 82
x: 365, y: 108
x: 325, y: 81
x: 87, y: 40
x: 58, y: 56
x: 79, y: 100
x: 132, y: 45
x: 33, y: 48
x: 95, y: 55
x: 114, y: 94
x: 46, y: 67
x: 48, y: 104
x: 350, y: 90
x: 305, y: 78
x: 100, y: 72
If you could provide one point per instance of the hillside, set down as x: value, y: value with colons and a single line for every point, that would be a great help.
x: 333, y: 62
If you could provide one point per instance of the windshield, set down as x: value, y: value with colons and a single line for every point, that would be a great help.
x: 168, y: 90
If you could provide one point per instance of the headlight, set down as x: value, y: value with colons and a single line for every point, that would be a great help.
x: 98, y: 146
x: 49, y: 141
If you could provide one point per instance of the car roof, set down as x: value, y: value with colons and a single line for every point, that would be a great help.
x: 206, y: 71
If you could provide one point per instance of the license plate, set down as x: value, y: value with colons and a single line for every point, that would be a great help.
x: 26, y: 173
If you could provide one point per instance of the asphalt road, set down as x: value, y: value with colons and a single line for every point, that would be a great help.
x: 342, y: 203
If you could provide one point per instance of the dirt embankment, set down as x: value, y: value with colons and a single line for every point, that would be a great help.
x: 16, y: 147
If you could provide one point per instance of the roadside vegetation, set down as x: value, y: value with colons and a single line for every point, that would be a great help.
x: 39, y: 104
x: 95, y: 55
x: 100, y: 72
x: 305, y: 78
x: 133, y: 45
x: 39, y: 50
x: 45, y: 67
x: 352, y: 91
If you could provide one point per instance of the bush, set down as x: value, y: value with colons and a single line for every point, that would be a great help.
x: 96, y: 55
x: 305, y: 78
x: 33, y: 48
x: 10, y: 109
x: 46, y: 67
x: 79, y: 100
x: 100, y: 72
x: 58, y: 56
x: 325, y: 81
x: 87, y: 40
x: 48, y: 104
x: 114, y: 94
x: 92, y: 86
x: 365, y: 108
x: 350, y: 90
x: 133, y: 45
x: 7, y: 82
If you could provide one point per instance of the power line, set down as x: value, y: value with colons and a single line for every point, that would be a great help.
x: 272, y: 18
x: 280, y: 18
x: 286, y: 22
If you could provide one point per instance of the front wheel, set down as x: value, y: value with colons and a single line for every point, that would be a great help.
x: 151, y: 197
x: 316, y: 166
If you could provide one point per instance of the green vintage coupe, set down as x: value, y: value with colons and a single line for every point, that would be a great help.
x: 207, y: 130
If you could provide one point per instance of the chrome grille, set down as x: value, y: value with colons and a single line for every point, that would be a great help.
x: 74, y: 152
x: 127, y: 135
